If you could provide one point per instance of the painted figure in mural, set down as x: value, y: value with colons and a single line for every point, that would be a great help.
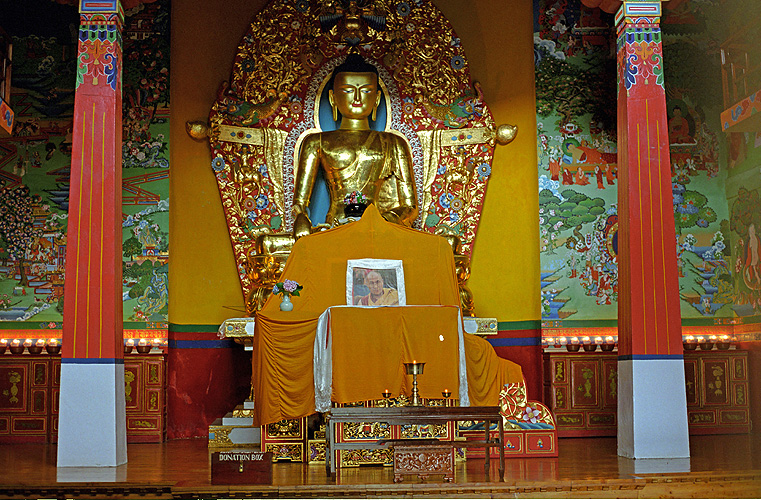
x: 567, y: 177
x: 679, y: 128
x: 752, y: 268
x: 581, y: 177
x: 352, y: 158
x: 379, y: 294
x: 610, y: 174
x: 598, y: 175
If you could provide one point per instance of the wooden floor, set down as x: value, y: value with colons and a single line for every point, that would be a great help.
x: 720, y: 467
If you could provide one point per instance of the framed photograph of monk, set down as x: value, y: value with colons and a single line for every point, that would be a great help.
x: 375, y: 282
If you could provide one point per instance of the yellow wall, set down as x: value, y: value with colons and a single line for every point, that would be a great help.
x: 497, y: 37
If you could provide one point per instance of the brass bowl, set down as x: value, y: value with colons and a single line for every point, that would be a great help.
x: 572, y: 347
x: 34, y: 349
x: 723, y: 345
x: 607, y: 347
x: 128, y: 349
x: 706, y: 346
x: 689, y: 346
x: 53, y: 349
x: 3, y: 348
x: 17, y: 349
x: 590, y: 347
x: 414, y: 368
x: 143, y: 349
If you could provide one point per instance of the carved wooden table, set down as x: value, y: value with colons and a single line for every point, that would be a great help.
x: 417, y: 415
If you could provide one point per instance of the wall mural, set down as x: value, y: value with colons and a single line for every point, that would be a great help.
x: 35, y: 164
x: 716, y: 216
x: 575, y: 84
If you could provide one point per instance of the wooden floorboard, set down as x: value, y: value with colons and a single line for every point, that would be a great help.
x: 720, y: 467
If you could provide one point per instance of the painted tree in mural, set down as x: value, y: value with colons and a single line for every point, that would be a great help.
x: 569, y: 211
x: 17, y: 225
x: 145, y: 89
x: 131, y: 247
x: 571, y: 90
x: 690, y: 208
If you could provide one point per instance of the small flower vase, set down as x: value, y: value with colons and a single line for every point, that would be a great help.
x: 286, y: 304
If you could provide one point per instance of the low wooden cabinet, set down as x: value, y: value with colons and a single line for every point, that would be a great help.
x: 30, y: 388
x: 582, y: 391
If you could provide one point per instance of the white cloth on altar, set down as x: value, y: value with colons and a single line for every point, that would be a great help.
x: 323, y: 361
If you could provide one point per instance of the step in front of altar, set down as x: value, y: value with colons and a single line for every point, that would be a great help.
x: 235, y: 429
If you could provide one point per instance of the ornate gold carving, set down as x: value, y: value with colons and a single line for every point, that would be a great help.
x: 153, y: 374
x: 243, y: 413
x: 717, y: 385
x: 197, y: 130
x: 292, y: 451
x: 513, y: 399
x: 221, y: 436
x: 559, y: 399
x: 740, y: 394
x: 284, y: 428
x: 739, y: 368
x: 39, y: 373
x: 316, y: 451
x: 14, y: 378
x: 129, y: 377
x: 143, y: 424
x: 153, y: 402
x: 366, y: 430
x: 424, y: 431
x: 613, y: 382
x: 355, y: 458
x: 586, y: 387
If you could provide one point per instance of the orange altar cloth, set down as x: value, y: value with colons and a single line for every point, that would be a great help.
x: 284, y: 341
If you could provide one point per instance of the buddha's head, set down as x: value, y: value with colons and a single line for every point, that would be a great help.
x: 354, y: 92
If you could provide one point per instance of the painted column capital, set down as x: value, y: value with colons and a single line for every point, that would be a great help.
x: 638, y: 12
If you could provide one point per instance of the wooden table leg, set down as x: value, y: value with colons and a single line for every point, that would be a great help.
x: 330, y: 467
x: 487, y: 448
x: 501, y: 449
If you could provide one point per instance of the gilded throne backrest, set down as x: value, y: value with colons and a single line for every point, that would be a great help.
x: 273, y: 100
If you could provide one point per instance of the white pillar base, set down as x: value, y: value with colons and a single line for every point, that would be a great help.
x: 92, y: 474
x: 652, y: 408
x: 92, y: 423
x: 653, y: 466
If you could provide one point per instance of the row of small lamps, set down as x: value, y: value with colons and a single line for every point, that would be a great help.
x: 608, y: 343
x: 53, y: 346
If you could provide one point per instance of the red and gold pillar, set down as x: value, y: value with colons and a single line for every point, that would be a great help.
x: 652, y: 407
x: 92, y: 429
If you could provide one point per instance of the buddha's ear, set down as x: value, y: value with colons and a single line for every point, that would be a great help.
x: 332, y: 102
x: 375, y: 108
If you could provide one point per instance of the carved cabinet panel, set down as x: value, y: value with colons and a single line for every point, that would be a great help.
x: 582, y: 390
x: 30, y: 388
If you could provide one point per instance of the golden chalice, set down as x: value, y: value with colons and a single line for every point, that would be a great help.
x: 415, y: 368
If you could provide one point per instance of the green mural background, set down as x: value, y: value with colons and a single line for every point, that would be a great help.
x: 35, y: 164
x: 715, y: 176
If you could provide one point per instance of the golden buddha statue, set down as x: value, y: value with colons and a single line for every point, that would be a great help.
x: 353, y: 158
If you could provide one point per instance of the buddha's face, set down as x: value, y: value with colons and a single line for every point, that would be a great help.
x: 355, y: 94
